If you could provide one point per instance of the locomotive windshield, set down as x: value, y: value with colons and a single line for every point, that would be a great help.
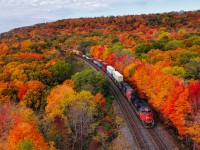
x: 146, y: 112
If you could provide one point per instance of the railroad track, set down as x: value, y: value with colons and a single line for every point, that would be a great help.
x: 145, y: 139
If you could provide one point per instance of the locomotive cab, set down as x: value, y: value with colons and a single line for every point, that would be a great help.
x: 146, y: 116
x: 127, y: 90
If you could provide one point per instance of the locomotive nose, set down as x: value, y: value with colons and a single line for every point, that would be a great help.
x: 149, y: 118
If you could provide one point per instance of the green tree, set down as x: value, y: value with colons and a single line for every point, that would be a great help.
x: 88, y: 79
x: 117, y: 46
x: 38, y: 47
x: 26, y: 145
x: 163, y: 35
x: 172, y: 45
x: 176, y: 71
x: 185, y: 57
x: 61, y: 71
x: 142, y: 49
x: 158, y: 45
x: 193, y: 40
x: 115, y: 39
x: 193, y: 68
x: 103, y: 84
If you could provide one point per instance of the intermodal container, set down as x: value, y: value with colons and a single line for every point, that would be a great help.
x: 117, y: 76
x: 110, y: 70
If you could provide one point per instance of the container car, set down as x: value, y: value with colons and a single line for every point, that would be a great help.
x: 118, y: 78
x: 80, y: 53
x: 110, y: 70
x: 127, y: 90
x: 104, y: 66
x: 95, y: 60
x: 87, y: 56
x: 99, y: 63
x: 91, y: 59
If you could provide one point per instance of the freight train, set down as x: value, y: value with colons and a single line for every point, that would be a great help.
x: 143, y: 110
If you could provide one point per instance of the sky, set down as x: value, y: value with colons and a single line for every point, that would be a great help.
x: 18, y: 13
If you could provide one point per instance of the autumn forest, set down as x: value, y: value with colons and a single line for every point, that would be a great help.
x: 50, y: 99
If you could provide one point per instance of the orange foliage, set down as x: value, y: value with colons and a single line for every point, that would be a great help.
x: 70, y: 83
x: 26, y: 131
x: 30, y: 56
x: 128, y: 70
x: 3, y: 98
x: 167, y: 94
x: 25, y: 45
x: 170, y: 96
x: 97, y: 51
x: 100, y: 99
x: 194, y: 132
x: 35, y: 85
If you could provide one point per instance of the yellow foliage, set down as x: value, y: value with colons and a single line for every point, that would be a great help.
x: 55, y: 99
x: 128, y: 70
x: 3, y: 99
x: 106, y: 53
x: 163, y: 35
x: 18, y: 83
x: 51, y: 146
x: 19, y: 75
x: 70, y: 83
x: 194, y: 130
x: 27, y: 114
x: 25, y: 45
x: 63, y: 96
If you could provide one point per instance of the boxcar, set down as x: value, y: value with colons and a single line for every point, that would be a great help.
x: 104, y: 65
x: 110, y: 70
x: 99, y: 63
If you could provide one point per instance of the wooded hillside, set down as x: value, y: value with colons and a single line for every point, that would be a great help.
x: 158, y: 53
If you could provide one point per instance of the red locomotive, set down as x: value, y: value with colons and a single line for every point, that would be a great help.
x: 143, y: 110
